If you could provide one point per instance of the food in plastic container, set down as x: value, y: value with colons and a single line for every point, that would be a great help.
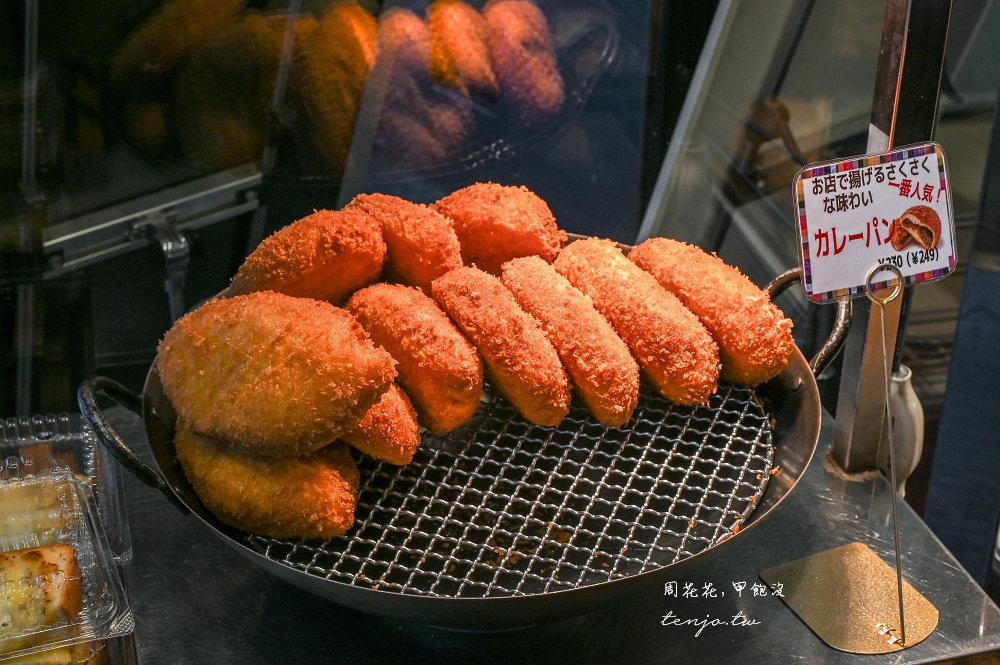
x: 65, y: 440
x: 60, y: 593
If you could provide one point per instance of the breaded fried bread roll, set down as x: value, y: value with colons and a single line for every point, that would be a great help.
x: 438, y: 367
x: 522, y: 363
x: 923, y: 223
x: 524, y: 59
x: 272, y: 374
x: 754, y: 337
x: 327, y: 256
x: 460, y: 47
x: 312, y: 496
x: 672, y: 346
x: 154, y: 50
x: 223, y: 92
x: 599, y: 363
x: 497, y: 223
x: 330, y: 70
x: 421, y: 123
x: 389, y: 431
x: 420, y: 242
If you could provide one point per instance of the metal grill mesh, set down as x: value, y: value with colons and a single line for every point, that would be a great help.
x: 504, y: 508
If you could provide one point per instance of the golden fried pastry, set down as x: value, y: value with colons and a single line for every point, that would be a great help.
x: 420, y: 242
x: 331, y: 67
x: 524, y: 59
x: 496, y: 223
x: 421, y: 124
x: 327, y: 256
x: 438, y: 367
x: 223, y: 92
x: 312, y: 496
x: 754, y: 337
x: 389, y: 431
x: 42, y: 589
x: 359, y: 23
x: 670, y: 343
x: 599, y: 363
x: 153, y: 51
x: 923, y: 223
x: 523, y: 365
x: 275, y: 375
x: 460, y: 48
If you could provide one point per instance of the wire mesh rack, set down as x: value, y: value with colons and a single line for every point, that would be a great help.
x: 504, y: 508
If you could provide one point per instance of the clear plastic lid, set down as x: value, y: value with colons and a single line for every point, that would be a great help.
x: 72, y: 443
x: 59, y: 585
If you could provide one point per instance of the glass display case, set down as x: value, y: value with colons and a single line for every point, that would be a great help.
x: 138, y: 170
x: 746, y: 129
x: 147, y: 148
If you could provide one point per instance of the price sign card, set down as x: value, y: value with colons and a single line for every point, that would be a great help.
x: 893, y: 208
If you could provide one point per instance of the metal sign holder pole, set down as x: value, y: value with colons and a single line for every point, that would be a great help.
x: 904, y: 111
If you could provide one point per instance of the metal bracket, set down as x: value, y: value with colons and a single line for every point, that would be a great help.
x: 99, y: 235
x: 176, y: 252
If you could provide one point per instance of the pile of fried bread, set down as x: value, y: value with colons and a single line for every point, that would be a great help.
x: 207, y: 79
x: 368, y: 326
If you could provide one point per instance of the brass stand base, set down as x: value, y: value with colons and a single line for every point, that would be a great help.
x: 848, y: 597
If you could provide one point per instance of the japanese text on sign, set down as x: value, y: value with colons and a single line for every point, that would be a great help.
x: 891, y: 208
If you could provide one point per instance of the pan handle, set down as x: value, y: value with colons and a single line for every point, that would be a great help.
x: 841, y: 324
x: 86, y: 399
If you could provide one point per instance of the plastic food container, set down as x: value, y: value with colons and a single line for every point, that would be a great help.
x: 72, y: 443
x: 61, y: 596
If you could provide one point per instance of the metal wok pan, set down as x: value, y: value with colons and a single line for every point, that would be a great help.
x: 504, y: 524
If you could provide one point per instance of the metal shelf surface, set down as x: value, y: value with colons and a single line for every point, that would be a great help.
x: 195, y: 601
